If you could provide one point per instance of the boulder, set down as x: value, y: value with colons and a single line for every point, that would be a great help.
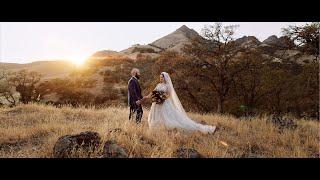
x: 112, y: 150
x: 187, y: 153
x: 67, y: 145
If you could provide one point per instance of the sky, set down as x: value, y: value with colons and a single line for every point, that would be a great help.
x: 24, y: 42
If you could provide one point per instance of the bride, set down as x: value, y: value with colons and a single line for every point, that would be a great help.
x: 170, y: 113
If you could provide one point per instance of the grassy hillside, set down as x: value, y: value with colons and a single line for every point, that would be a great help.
x: 31, y: 131
x: 48, y: 69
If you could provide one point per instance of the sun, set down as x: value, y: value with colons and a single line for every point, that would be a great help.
x: 77, y: 60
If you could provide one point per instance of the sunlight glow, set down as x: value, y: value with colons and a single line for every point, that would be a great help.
x: 77, y: 60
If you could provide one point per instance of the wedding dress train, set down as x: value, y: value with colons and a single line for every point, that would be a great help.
x: 171, y: 114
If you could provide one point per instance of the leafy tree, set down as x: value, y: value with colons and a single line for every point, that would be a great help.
x: 214, y: 58
x: 247, y: 84
x: 25, y: 84
x: 307, y: 91
x: 306, y: 37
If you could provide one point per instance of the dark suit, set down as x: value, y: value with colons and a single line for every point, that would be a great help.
x: 134, y: 94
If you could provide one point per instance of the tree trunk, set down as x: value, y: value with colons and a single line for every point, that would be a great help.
x: 220, y: 109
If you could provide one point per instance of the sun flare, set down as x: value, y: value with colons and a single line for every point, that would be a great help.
x: 78, y: 61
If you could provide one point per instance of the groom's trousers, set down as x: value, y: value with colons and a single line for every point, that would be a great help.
x: 136, y: 111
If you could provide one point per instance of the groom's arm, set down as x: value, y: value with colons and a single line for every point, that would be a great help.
x: 138, y: 93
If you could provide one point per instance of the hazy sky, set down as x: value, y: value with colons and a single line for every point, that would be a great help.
x: 32, y: 41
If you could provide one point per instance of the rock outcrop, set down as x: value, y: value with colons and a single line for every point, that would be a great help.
x: 112, y: 149
x: 69, y: 145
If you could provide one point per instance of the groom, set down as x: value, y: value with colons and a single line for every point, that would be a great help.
x: 134, y: 96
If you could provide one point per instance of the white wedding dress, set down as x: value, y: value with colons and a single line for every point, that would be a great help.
x: 171, y: 114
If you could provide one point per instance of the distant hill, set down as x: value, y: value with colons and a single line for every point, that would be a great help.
x: 173, y: 41
x: 105, y: 53
x: 48, y: 69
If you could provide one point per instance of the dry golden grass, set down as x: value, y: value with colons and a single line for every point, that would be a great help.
x: 31, y: 131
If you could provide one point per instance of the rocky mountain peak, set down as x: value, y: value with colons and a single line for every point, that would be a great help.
x: 189, y: 33
x: 281, y: 42
x: 248, y: 41
x: 183, y: 28
x: 173, y: 41
x: 176, y: 39
x: 271, y: 40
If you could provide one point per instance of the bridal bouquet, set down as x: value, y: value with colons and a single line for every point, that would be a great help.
x: 158, y: 97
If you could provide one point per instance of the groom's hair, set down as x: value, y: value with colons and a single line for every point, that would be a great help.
x: 134, y: 71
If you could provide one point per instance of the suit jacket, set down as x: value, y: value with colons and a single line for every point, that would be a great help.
x: 134, y: 92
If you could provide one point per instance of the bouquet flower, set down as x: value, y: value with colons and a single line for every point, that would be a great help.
x: 158, y: 97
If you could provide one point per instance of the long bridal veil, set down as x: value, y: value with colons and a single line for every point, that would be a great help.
x: 173, y: 94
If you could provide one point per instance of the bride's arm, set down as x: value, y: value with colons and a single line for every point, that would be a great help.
x: 149, y: 95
